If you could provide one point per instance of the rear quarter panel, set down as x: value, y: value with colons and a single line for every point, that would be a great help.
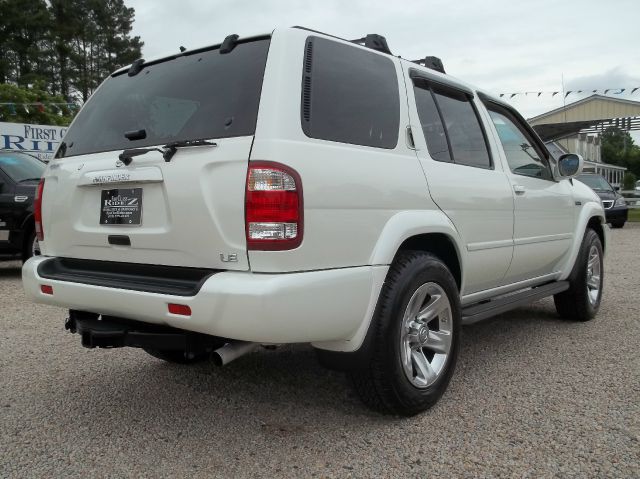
x: 350, y: 192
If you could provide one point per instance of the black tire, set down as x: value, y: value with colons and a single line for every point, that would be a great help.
x: 179, y: 357
x: 382, y: 384
x: 618, y: 224
x: 28, y: 249
x: 575, y: 304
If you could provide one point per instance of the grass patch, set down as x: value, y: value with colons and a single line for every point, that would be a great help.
x: 634, y: 214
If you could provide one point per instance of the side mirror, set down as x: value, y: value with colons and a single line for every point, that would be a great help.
x: 570, y: 165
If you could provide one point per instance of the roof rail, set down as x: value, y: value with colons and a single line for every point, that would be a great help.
x: 434, y: 63
x: 375, y: 42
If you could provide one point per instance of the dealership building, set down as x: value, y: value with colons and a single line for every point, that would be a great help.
x: 576, y: 128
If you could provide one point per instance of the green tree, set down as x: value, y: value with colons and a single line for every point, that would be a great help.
x: 24, y: 41
x: 629, y: 181
x: 618, y: 148
x: 69, y: 46
x: 33, y: 105
x: 96, y: 42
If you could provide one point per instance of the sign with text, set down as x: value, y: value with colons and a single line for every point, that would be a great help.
x: 37, y: 140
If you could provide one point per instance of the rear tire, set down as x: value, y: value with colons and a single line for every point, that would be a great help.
x: 618, y: 224
x: 582, y: 300
x: 416, y: 337
x: 179, y: 357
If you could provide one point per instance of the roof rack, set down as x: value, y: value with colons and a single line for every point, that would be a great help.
x: 434, y: 63
x: 379, y: 43
x: 375, y: 42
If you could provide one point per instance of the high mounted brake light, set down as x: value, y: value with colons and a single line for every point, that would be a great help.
x: 273, y: 207
x: 37, y: 211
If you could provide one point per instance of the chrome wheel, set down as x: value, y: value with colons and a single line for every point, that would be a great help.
x: 594, y: 275
x: 425, y: 340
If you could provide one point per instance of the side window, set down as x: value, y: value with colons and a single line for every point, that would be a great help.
x: 349, y: 95
x: 523, y: 157
x: 451, y: 126
x: 432, y: 126
x: 466, y: 137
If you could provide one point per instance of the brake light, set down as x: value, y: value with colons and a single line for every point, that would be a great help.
x: 37, y: 211
x: 273, y: 207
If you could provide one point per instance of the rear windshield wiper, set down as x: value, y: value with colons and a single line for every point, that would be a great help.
x: 29, y: 179
x: 171, y: 148
x: 167, y: 152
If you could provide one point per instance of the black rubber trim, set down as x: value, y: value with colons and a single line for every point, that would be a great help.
x: 487, y: 309
x: 150, y: 278
x: 435, y: 80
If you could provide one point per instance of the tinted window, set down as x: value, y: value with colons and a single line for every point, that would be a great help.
x: 350, y: 95
x: 200, y: 95
x: 21, y: 167
x: 522, y: 156
x: 468, y: 145
x: 432, y: 127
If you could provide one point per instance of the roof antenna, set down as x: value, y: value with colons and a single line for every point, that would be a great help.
x: 229, y: 44
x: 182, y: 49
x: 135, y: 67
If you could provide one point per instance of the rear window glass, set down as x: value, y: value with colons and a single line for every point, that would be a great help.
x: 466, y: 137
x: 432, y: 127
x: 203, y: 95
x: 349, y: 95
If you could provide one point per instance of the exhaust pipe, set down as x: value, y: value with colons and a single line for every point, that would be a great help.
x: 233, y: 350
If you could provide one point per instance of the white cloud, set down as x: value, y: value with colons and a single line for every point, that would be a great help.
x: 498, y: 45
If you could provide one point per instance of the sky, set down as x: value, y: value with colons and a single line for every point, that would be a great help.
x: 499, y: 46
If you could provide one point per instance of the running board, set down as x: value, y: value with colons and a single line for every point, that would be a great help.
x: 487, y: 309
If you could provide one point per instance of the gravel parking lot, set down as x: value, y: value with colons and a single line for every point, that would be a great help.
x: 533, y: 396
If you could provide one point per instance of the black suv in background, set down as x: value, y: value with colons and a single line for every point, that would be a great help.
x: 615, y: 208
x: 19, y: 177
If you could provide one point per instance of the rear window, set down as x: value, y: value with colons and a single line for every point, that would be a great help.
x: 349, y: 95
x: 203, y: 95
x: 450, y: 124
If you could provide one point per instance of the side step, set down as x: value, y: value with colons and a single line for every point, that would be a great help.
x: 489, y: 308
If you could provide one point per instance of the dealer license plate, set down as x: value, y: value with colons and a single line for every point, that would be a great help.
x: 121, y: 206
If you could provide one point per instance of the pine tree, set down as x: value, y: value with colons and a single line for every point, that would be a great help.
x: 69, y: 46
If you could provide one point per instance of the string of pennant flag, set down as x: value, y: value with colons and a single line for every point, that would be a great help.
x: 39, y: 106
x: 614, y: 91
x: 13, y: 107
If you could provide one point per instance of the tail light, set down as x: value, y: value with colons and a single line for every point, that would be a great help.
x: 273, y: 207
x: 37, y: 211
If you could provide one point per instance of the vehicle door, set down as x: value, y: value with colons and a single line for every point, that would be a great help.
x: 544, y: 207
x: 463, y: 179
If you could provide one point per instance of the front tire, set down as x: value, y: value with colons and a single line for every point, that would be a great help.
x: 582, y: 300
x: 416, y: 337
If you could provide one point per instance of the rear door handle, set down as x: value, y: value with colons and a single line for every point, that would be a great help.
x: 519, y: 189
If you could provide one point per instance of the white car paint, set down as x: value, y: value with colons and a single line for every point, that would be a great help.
x: 360, y: 205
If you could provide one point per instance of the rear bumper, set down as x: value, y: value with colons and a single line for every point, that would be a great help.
x: 316, y: 306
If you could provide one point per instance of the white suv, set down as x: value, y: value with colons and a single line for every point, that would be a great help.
x: 300, y: 188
